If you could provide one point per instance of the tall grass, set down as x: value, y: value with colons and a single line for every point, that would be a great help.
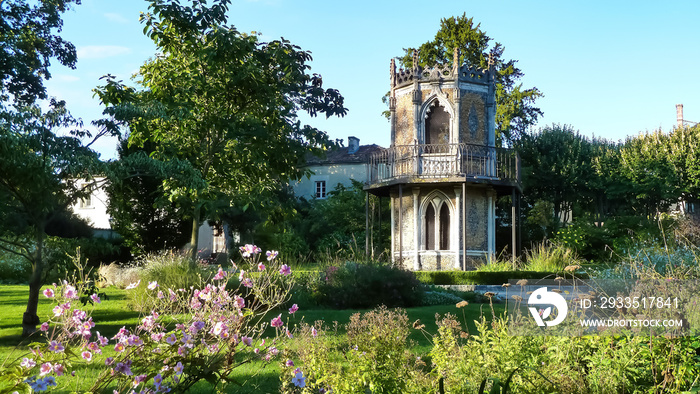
x: 550, y: 257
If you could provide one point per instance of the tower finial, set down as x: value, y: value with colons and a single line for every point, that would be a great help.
x: 491, y: 60
x: 392, y: 72
x: 415, y: 59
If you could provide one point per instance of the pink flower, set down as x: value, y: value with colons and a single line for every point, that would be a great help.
x: 58, y: 310
x: 133, y: 285
x: 314, y: 333
x: 160, y: 295
x: 247, y: 282
x: 95, y: 298
x: 271, y: 254
x: 48, y: 293
x: 58, y: 369
x: 87, y: 356
x: 119, y: 347
x: 249, y: 250
x: 46, y: 368
x: 277, y: 321
x: 173, y: 296
x: 248, y: 341
x: 289, y: 363
x: 152, y: 285
x: 109, y: 361
x: 294, y: 309
x: 289, y: 334
x: 44, y: 326
x: 285, y: 270
x: 261, y: 266
x: 70, y: 292
x: 221, y: 274
x: 239, y: 301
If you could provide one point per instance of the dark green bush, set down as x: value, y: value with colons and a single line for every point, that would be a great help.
x: 356, y: 286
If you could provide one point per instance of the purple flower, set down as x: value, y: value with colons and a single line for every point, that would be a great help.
x: 314, y: 333
x: 27, y: 363
x: 261, y: 266
x: 247, y: 282
x: 271, y: 254
x: 152, y: 285
x: 44, y: 326
x: 45, y: 369
x: 87, y: 356
x: 56, y: 347
x: 248, y: 341
x: 178, y: 368
x: 95, y: 298
x: 289, y: 363
x: 221, y: 274
x: 70, y: 292
x: 249, y: 250
x: 299, y: 380
x: 48, y: 293
x: 294, y: 309
x: 285, y: 270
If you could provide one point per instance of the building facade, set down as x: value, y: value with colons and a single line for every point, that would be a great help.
x: 339, y: 166
x: 443, y: 172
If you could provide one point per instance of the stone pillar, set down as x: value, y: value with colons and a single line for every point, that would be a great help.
x: 456, y: 224
x: 492, y: 224
x: 416, y: 229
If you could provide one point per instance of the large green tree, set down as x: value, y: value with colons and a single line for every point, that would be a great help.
x: 141, y: 214
x: 38, y: 172
x: 37, y: 167
x: 516, y: 111
x: 224, y: 101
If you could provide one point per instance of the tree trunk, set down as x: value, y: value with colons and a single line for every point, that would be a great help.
x: 194, y: 240
x: 30, y: 319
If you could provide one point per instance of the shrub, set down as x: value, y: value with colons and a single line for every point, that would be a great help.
x: 484, y: 277
x: 170, y: 270
x: 357, y: 286
x: 165, y: 352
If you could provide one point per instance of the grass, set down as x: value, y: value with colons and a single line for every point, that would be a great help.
x: 115, y: 312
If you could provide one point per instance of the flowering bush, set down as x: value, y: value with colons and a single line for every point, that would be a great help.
x: 165, y: 352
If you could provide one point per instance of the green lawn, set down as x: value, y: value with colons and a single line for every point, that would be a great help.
x: 115, y: 312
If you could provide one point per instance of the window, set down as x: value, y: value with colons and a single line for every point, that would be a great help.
x: 437, y: 227
x: 85, y: 202
x: 437, y: 126
x: 320, y: 189
x: 444, y: 227
x: 430, y: 228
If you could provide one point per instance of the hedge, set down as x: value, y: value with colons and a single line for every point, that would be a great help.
x: 485, y: 277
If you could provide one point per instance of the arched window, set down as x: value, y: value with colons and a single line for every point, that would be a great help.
x: 437, y: 226
x: 444, y: 227
x: 437, y: 125
x: 430, y: 227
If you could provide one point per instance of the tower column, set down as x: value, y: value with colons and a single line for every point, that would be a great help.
x: 416, y: 229
x: 456, y: 245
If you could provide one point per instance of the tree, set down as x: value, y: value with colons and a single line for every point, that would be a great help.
x: 515, y: 112
x: 645, y: 160
x: 38, y: 172
x: 556, y: 164
x: 223, y: 101
x: 141, y: 215
x: 29, y: 44
x: 36, y: 166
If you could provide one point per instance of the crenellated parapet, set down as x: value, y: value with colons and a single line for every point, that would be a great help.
x: 401, y: 77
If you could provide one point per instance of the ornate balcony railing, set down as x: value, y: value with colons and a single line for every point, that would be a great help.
x: 444, y: 160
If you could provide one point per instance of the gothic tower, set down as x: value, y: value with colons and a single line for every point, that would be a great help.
x: 443, y: 171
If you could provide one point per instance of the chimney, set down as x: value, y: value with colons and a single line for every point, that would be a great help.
x: 353, y: 145
x: 679, y: 115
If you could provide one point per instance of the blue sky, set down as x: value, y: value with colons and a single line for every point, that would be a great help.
x: 607, y: 68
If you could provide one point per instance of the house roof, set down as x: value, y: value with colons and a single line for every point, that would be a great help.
x: 341, y: 156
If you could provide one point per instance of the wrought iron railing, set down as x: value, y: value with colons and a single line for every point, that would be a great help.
x: 444, y: 160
